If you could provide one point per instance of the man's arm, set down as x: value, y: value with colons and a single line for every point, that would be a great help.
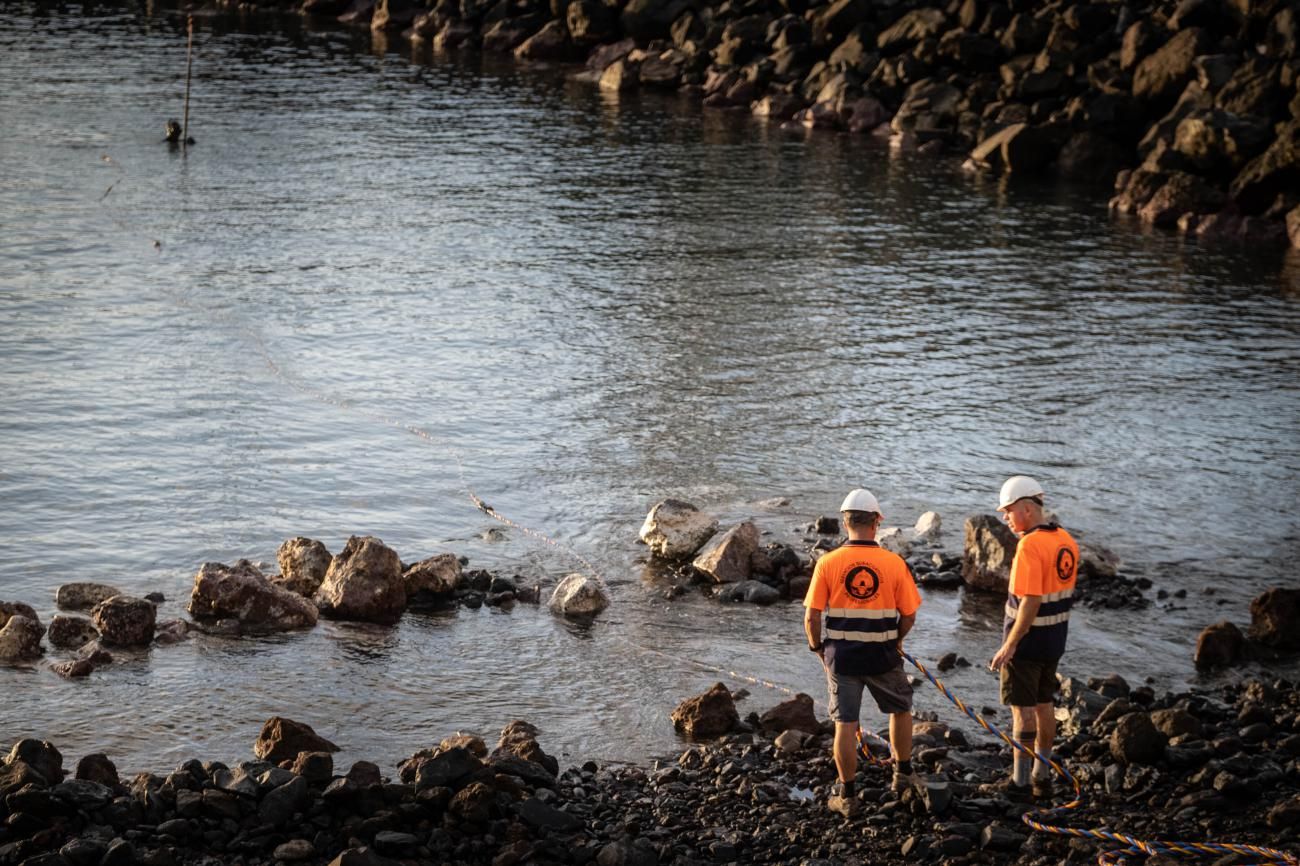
x: 1025, y: 615
x: 905, y: 624
x: 812, y: 627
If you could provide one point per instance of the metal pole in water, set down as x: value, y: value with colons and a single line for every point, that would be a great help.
x: 189, y: 65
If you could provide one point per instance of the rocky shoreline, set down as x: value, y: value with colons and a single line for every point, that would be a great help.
x: 1218, y: 764
x: 1189, y: 109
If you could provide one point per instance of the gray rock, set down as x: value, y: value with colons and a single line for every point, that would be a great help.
x: 751, y: 591
x: 579, y: 595
x: 83, y: 595
x: 675, y: 529
x: 539, y: 815
x: 728, y: 558
x: 446, y: 768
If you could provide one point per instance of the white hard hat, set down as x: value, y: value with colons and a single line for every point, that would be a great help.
x: 1017, y: 487
x: 860, y: 500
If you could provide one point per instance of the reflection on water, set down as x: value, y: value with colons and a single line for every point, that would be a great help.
x: 592, y: 303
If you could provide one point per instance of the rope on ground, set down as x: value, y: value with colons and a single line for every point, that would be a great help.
x: 1038, y: 818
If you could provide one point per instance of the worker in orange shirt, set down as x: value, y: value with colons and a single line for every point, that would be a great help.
x: 1035, y: 626
x: 870, y: 601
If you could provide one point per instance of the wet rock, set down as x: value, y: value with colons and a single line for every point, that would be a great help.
x: 1219, y: 645
x: 621, y: 75
x: 455, y: 34
x: 947, y: 663
x: 677, y: 530
x: 445, y: 769
x: 1137, y: 741
x: 83, y: 666
x: 1176, y: 722
x: 550, y: 43
x: 728, y: 558
x: 707, y: 715
x: 20, y: 639
x: 791, y: 741
x: 170, y: 631
x: 590, y: 21
x: 436, y: 575
x: 797, y: 713
x: 283, y: 739
x: 987, y: 554
x: 1181, y: 193
x: 316, y: 767
x: 364, y: 583
x: 1020, y: 147
x: 124, y: 621
x: 1277, y: 168
x: 303, y: 565
x: 280, y: 804
x: 579, y: 595
x: 1293, y: 226
x: 98, y: 768
x: 1161, y: 77
x: 83, y: 595
x: 39, y: 756
x: 241, y: 593
x: 1274, y: 616
x: 751, y: 591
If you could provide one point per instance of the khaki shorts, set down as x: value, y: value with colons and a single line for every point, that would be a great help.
x: 1028, y: 683
x: 891, y: 690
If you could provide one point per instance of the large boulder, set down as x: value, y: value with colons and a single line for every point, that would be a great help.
x: 283, y: 739
x: 1019, y: 147
x: 83, y: 595
x: 303, y: 565
x: 1275, y: 618
x: 550, y: 43
x: 1219, y: 645
x: 728, y: 558
x: 18, y: 608
x: 71, y: 632
x: 797, y: 713
x: 364, y: 582
x: 241, y: 592
x: 651, y: 19
x: 1096, y: 561
x: 1136, y: 740
x: 1253, y: 89
x: 20, y: 639
x: 1176, y: 722
x: 988, y: 551
x: 676, y: 530
x: 910, y: 29
x: 1276, y: 169
x: 125, y: 621
x: 1182, y: 193
x: 41, y: 756
x: 436, y: 575
x: 1162, y: 76
x: 579, y: 595
x: 1218, y: 143
x: 707, y: 715
x: 519, y: 739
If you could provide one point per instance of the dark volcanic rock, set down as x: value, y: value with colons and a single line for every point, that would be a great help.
x: 124, y: 621
x: 71, y: 632
x: 1219, y: 645
x: 240, y: 592
x: 1275, y: 618
x: 1137, y: 741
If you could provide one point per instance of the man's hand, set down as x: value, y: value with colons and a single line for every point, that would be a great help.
x: 1004, y: 654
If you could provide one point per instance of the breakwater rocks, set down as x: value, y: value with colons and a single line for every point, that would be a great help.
x: 365, y: 582
x: 1190, y: 107
x: 734, y: 563
x: 1198, y: 766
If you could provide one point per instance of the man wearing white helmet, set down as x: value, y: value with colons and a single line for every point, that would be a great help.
x: 870, y: 600
x: 1036, y: 622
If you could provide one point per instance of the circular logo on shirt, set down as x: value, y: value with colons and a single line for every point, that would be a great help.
x: 862, y: 583
x: 1065, y: 563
